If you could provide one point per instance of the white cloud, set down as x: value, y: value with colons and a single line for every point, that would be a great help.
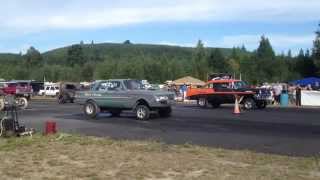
x: 36, y: 15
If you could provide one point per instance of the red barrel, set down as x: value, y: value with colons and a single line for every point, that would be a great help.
x: 51, y: 127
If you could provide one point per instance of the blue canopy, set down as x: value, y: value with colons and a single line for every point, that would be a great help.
x: 304, y: 82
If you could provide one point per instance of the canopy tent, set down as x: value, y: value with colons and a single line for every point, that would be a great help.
x: 304, y: 82
x: 188, y: 80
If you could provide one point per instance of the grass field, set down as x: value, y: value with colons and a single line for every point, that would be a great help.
x: 66, y: 156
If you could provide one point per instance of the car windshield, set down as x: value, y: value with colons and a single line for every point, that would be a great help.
x: 133, y: 84
x: 240, y: 84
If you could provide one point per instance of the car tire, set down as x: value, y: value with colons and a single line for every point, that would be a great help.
x: 22, y: 102
x: 115, y: 113
x: 91, y: 110
x: 249, y: 104
x: 202, y: 102
x: 165, y: 112
x: 142, y: 112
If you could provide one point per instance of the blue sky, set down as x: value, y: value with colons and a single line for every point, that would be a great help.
x: 44, y: 24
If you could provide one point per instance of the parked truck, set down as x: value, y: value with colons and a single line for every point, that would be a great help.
x: 21, y: 90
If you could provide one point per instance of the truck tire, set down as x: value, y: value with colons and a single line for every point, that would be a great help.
x: 215, y: 104
x: 61, y: 99
x: 249, y: 104
x: 91, y: 110
x: 22, y: 102
x: 202, y: 102
x: 142, y: 112
x: 261, y: 104
x: 1, y: 104
x: 165, y: 112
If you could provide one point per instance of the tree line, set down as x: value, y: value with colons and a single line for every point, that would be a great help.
x: 86, y: 62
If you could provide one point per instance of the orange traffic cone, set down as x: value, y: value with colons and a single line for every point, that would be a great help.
x: 236, y: 107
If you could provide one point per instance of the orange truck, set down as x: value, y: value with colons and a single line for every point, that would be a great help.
x: 225, y: 91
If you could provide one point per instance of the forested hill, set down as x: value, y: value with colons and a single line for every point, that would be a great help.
x: 98, y: 52
x: 79, y: 62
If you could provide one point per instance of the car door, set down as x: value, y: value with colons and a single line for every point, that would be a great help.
x: 117, y: 95
x: 108, y: 94
x: 224, y: 89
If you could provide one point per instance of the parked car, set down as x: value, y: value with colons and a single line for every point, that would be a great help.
x: 50, y: 90
x: 67, y: 91
x: 116, y: 95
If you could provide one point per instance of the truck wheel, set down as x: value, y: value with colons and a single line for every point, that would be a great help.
x: 165, y: 112
x: 261, y: 104
x: 142, y: 112
x: 91, y: 110
x: 61, y: 99
x: 22, y: 102
x: 202, y: 102
x: 249, y: 104
x: 215, y: 105
x: 115, y: 113
x: 1, y: 104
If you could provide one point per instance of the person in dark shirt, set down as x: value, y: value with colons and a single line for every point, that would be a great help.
x: 298, y: 96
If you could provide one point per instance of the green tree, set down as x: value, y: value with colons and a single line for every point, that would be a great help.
x: 75, y: 55
x: 199, y: 62
x: 127, y: 42
x: 316, y: 50
x: 265, y: 49
x: 33, y: 57
x: 217, y: 62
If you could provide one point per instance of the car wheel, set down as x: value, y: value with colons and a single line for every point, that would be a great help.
x: 142, y: 112
x: 22, y: 102
x: 165, y: 112
x: 115, y: 113
x: 202, y: 102
x: 249, y: 104
x: 91, y: 110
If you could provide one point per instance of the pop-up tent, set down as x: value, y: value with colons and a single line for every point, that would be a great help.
x: 304, y: 82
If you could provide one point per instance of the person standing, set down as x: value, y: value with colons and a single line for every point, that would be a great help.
x: 298, y: 96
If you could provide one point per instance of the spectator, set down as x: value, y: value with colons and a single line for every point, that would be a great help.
x: 183, y: 90
x: 298, y: 96
x: 277, y: 92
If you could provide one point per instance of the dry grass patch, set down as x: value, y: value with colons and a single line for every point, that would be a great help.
x: 77, y: 157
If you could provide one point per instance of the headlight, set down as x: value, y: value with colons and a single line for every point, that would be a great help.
x: 161, y: 98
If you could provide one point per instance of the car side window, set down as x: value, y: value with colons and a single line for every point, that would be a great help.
x: 221, y: 86
x: 110, y: 86
x: 52, y: 88
x: 47, y: 88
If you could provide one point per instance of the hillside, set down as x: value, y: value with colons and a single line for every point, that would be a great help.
x: 156, y: 63
x: 123, y: 51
